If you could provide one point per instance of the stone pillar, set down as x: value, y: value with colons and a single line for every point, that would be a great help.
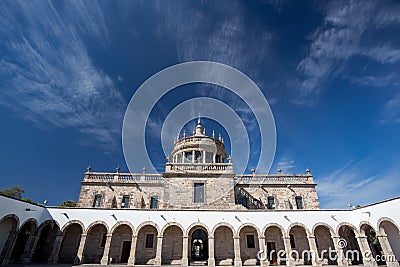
x: 204, y: 156
x: 132, y: 255
x: 183, y: 157
x: 185, y: 248
x: 367, y: 257
x: 53, y: 259
x: 10, y: 246
x: 79, y: 255
x: 261, y: 242
x: 104, y: 259
x: 214, y: 157
x: 236, y: 248
x: 159, y: 250
x: 387, y: 251
x: 30, y: 247
x: 193, y: 155
x: 211, y: 259
x: 288, y: 249
x: 316, y: 261
x: 341, y: 261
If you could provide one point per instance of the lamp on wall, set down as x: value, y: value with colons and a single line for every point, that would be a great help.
x: 65, y: 214
x: 115, y: 217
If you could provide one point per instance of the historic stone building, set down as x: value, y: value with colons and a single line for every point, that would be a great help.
x: 199, y: 175
x: 199, y: 212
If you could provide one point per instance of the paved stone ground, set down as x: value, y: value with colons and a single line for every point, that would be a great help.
x: 119, y: 265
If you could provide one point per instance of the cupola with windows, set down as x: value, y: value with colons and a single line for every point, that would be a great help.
x: 198, y: 149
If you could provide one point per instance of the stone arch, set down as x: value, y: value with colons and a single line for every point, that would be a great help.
x: 330, y: 228
x: 350, y: 234
x: 68, y: 224
x: 383, y: 219
x: 298, y: 234
x: 96, y: 223
x: 274, y: 239
x: 390, y: 233
x: 32, y: 220
x: 25, y: 232
x: 47, y: 234
x: 224, y: 251
x: 146, y: 244
x: 172, y: 224
x: 197, y: 224
x: 223, y: 224
x: 323, y: 234
x: 118, y: 224
x: 8, y: 232
x: 13, y: 216
x: 72, y: 232
x: 249, y: 243
x: 121, y: 242
x: 198, y: 234
x: 283, y: 231
x: 299, y: 225
x: 357, y: 233
x: 96, y: 236
x: 147, y: 223
x: 172, y: 244
x: 250, y: 225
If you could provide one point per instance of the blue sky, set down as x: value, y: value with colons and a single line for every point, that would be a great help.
x: 329, y: 70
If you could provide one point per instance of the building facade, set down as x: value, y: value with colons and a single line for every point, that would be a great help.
x: 199, y: 212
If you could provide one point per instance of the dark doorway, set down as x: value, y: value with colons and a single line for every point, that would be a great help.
x: 26, y: 231
x: 199, y: 246
x: 271, y: 253
x: 126, y: 250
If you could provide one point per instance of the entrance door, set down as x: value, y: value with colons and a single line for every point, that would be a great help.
x: 126, y: 250
x: 199, y: 246
x: 271, y: 250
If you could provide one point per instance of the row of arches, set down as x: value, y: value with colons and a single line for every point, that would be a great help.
x: 222, y: 245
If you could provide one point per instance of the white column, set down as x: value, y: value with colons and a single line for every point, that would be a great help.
x: 159, y: 250
x: 316, y: 261
x: 132, y: 255
x: 211, y: 259
x: 193, y: 156
x: 183, y: 157
x: 104, y: 259
x: 367, y: 257
x: 236, y: 246
x: 185, y: 248
x: 204, y: 156
x: 79, y: 255
x: 214, y: 157
x: 53, y: 259
x: 288, y: 249
x: 339, y: 251
x: 261, y: 242
x: 387, y: 251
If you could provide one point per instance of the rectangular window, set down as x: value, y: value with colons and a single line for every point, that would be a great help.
x: 250, y: 241
x: 125, y: 202
x: 149, y: 241
x: 299, y: 202
x: 199, y: 193
x: 292, y: 243
x: 97, y: 201
x: 271, y: 203
x: 103, y: 240
x: 154, y: 202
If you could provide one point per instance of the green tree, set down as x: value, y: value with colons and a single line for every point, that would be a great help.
x: 15, y: 191
x: 68, y: 204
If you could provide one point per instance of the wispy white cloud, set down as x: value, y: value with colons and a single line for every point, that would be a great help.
x: 391, y: 110
x: 47, y: 74
x: 352, y: 184
x: 340, y: 37
x: 286, y: 165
